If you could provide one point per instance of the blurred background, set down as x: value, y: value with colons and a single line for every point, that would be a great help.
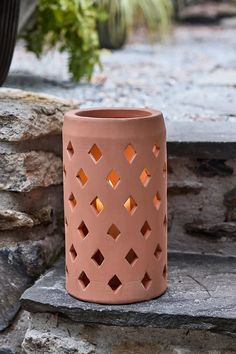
x: 156, y: 53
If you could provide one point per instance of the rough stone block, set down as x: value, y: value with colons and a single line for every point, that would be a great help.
x: 201, y: 213
x: 20, y: 264
x: 184, y: 187
x: 11, y: 339
x: 22, y: 172
x: 49, y: 333
x: 28, y: 115
x: 12, y: 219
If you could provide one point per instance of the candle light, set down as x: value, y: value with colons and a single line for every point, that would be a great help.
x: 99, y: 205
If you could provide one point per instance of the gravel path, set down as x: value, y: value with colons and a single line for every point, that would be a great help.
x: 190, y: 76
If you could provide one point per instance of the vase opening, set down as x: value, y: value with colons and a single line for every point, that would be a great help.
x: 115, y: 113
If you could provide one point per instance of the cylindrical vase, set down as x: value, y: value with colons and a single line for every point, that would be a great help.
x: 115, y: 196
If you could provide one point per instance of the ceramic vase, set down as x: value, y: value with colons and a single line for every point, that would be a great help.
x: 115, y: 198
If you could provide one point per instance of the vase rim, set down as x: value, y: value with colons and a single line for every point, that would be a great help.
x: 114, y: 113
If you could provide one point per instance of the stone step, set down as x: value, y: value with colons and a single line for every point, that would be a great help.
x: 201, y: 295
x: 202, y: 140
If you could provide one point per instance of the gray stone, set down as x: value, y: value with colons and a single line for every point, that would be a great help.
x: 35, y: 255
x: 230, y: 198
x: 184, y: 187
x: 22, y: 172
x: 12, y: 338
x: 195, y: 299
x: 224, y: 229
x: 207, y: 11
x: 52, y: 333
x: 40, y: 200
x: 27, y: 115
x: 12, y: 219
x: 212, y: 168
x: 20, y: 264
x: 201, y: 140
x: 206, y: 206
x: 43, y: 216
x: 231, y: 214
x: 13, y: 281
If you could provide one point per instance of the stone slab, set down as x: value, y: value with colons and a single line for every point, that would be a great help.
x: 27, y: 117
x: 20, y: 264
x: 201, y: 295
x: 202, y: 139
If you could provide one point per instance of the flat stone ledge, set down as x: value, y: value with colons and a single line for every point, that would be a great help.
x: 201, y: 295
x: 210, y: 140
x: 26, y: 117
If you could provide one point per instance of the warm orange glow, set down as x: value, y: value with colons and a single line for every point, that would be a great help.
x: 95, y: 153
x: 130, y: 153
x: 99, y: 205
x: 145, y: 177
x: 82, y: 177
x: 130, y: 205
x: 113, y: 179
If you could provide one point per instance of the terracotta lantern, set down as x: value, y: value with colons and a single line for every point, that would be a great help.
x: 115, y: 195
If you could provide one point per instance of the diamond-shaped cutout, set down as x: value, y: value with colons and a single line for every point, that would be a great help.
x: 130, y: 205
x: 70, y: 150
x: 95, y: 153
x: 158, y: 252
x: 164, y: 273
x: 82, y: 177
x: 73, y: 252
x: 115, y: 283
x: 131, y: 257
x: 156, y: 150
x: 157, y: 201
x: 98, y: 257
x: 165, y: 221
x: 113, y: 231
x: 145, y: 177
x: 164, y: 169
x: 83, y: 230
x: 130, y: 153
x: 113, y: 179
x: 97, y: 205
x: 146, y: 230
x: 146, y: 281
x: 72, y: 201
x: 84, y: 280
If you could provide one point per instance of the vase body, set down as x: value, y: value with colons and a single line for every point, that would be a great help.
x: 115, y: 199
